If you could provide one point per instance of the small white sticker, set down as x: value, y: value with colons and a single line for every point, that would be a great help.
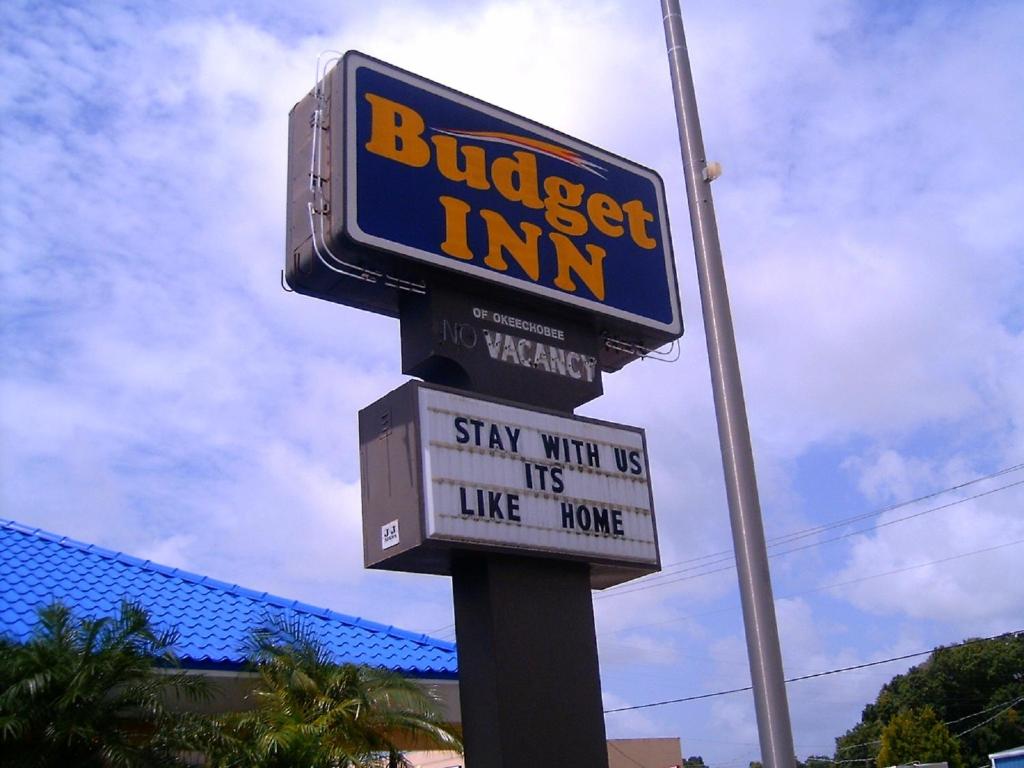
x: 389, y: 535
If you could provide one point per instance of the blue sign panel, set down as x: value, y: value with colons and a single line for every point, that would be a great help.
x: 438, y: 177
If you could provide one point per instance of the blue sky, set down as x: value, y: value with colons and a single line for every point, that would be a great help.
x: 160, y: 394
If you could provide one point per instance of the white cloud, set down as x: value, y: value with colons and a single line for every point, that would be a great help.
x: 732, y: 714
x: 825, y: 707
x: 627, y: 724
x: 636, y: 648
x: 161, y: 394
x: 966, y: 592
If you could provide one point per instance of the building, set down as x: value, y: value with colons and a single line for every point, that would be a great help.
x: 650, y: 753
x: 622, y: 753
x: 1009, y: 758
x: 214, y: 619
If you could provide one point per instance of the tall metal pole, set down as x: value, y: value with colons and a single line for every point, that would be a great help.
x: 774, y: 729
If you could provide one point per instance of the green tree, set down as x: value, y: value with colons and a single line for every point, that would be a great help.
x: 314, y: 713
x: 693, y: 761
x: 85, y: 692
x: 815, y: 761
x: 977, y: 687
x: 917, y: 735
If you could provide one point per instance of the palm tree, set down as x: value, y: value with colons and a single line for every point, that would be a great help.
x: 87, y: 693
x: 314, y: 713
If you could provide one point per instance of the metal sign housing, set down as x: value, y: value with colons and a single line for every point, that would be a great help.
x: 443, y: 471
x: 503, y: 350
x: 396, y: 181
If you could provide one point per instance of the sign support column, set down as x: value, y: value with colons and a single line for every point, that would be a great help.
x: 527, y: 510
x: 523, y: 264
x: 529, y: 679
x: 774, y: 729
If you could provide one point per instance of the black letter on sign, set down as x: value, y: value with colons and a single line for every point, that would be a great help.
x: 495, y: 441
x: 460, y: 427
x: 557, y: 484
x: 583, y: 517
x: 617, y: 523
x: 550, y: 446
x: 513, y: 507
x: 634, y: 459
x: 567, y: 519
x: 620, y: 459
x: 494, y: 505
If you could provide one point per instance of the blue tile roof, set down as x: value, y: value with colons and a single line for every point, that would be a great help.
x: 214, y: 618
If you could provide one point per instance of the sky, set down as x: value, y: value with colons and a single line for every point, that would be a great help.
x: 160, y: 394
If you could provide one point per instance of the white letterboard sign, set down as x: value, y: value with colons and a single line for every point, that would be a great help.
x: 502, y: 475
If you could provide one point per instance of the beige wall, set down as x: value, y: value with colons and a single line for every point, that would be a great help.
x: 644, y: 753
x: 622, y: 753
x: 435, y: 759
x: 232, y: 693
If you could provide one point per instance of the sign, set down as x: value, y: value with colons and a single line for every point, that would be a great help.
x: 397, y: 180
x: 501, y: 349
x: 389, y: 535
x: 459, y: 472
x: 506, y: 475
x: 521, y: 263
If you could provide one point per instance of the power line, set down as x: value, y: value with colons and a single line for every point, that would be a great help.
x: 650, y: 585
x: 826, y: 586
x: 665, y: 578
x: 617, y: 749
x: 811, y: 676
x: 697, y: 697
x: 817, y: 589
x: 1005, y: 706
x: 786, y: 538
x: 805, y: 532
x: 443, y: 631
x: 901, y: 519
x: 989, y: 720
x: 662, y: 579
x: 913, y: 567
x: 788, y: 680
x: 982, y: 712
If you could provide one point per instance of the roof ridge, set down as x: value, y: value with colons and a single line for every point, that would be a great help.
x: 235, y: 589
